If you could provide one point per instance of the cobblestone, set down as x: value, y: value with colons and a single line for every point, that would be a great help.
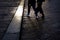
x: 42, y: 29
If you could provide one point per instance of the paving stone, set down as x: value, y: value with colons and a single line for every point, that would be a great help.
x: 9, y: 4
x: 11, y: 36
x: 8, y: 0
x: 42, y: 29
x: 7, y: 11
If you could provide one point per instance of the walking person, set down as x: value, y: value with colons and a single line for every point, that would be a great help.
x: 31, y: 3
x: 39, y: 8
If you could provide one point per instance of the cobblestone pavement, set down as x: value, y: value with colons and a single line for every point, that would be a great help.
x: 42, y: 29
x: 7, y: 11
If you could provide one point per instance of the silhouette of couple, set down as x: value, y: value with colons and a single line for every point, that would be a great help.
x: 37, y: 9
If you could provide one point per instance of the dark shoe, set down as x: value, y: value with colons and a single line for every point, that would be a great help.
x: 37, y: 16
x: 42, y: 16
x: 28, y: 16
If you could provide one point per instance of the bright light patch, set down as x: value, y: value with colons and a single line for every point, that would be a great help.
x: 19, y: 12
x: 14, y: 26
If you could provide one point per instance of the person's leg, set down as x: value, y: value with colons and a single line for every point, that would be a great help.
x: 36, y: 10
x: 40, y: 9
x: 29, y: 6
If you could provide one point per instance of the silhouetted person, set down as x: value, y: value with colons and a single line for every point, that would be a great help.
x: 39, y: 8
x: 31, y: 3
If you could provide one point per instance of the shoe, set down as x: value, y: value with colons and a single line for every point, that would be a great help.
x: 28, y: 16
x: 42, y: 16
x: 37, y: 17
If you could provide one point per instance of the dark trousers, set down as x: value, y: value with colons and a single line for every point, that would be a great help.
x: 29, y: 6
x: 39, y: 9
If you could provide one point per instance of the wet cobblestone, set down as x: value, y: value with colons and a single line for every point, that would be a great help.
x: 43, y: 29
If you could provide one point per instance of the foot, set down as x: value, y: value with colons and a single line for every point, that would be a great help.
x: 42, y: 16
x: 37, y: 17
x: 28, y: 16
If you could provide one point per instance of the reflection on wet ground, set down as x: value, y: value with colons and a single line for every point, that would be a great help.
x: 42, y: 29
x: 32, y: 28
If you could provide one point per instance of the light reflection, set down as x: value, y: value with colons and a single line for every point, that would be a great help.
x: 19, y: 12
x: 14, y: 26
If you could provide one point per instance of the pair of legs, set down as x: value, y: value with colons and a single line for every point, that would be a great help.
x: 29, y: 6
x: 39, y: 9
